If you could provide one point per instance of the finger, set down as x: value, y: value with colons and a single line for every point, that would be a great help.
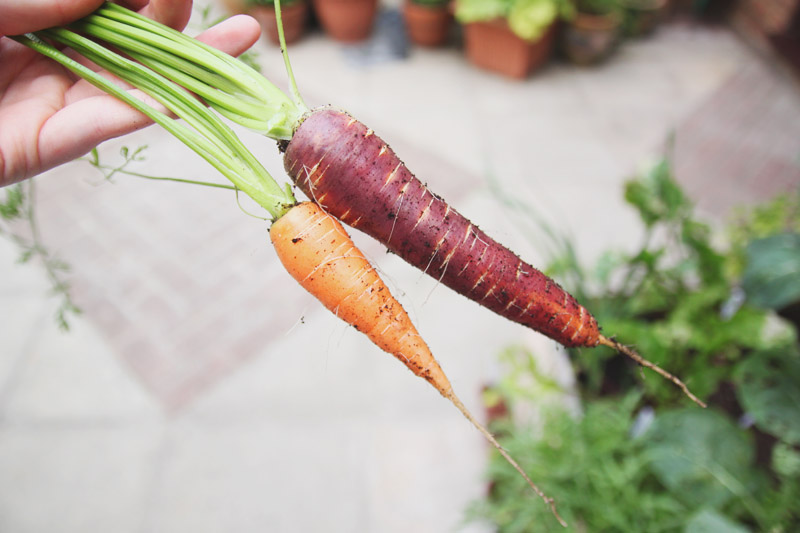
x: 14, y: 58
x: 134, y: 5
x: 86, y: 122
x: 74, y: 130
x: 173, y: 13
x: 233, y: 36
x: 22, y: 16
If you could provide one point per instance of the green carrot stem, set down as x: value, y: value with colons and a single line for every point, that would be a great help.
x: 232, y: 88
x: 285, y: 53
x: 210, y: 138
x: 210, y: 184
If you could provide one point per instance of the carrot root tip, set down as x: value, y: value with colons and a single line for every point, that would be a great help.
x: 631, y: 353
x: 450, y: 395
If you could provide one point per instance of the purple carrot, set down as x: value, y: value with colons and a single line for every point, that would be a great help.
x: 355, y: 176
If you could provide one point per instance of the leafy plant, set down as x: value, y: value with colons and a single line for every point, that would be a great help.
x: 734, y: 467
x: 590, y: 465
x: 679, y: 299
x: 528, y: 19
x: 597, y: 7
x: 19, y: 225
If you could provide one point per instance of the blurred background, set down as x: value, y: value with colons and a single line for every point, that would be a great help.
x: 159, y: 371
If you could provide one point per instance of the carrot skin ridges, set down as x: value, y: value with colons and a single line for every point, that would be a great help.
x: 317, y: 251
x: 355, y: 176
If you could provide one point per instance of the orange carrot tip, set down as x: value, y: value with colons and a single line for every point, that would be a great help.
x: 317, y: 251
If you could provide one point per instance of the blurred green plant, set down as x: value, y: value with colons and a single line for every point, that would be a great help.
x: 711, y: 314
x: 597, y: 7
x: 528, y: 19
x: 18, y: 224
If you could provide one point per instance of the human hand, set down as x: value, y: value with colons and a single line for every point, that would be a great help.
x: 48, y: 116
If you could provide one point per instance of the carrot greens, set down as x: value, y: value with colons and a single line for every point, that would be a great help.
x: 235, y: 90
x: 203, y: 131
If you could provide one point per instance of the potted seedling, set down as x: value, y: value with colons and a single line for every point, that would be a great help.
x: 347, y: 21
x: 510, y: 37
x: 294, y: 14
x: 592, y: 31
x: 428, y: 22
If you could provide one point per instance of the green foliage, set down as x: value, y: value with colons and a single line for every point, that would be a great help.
x: 597, y: 473
x: 781, y: 215
x: 18, y: 224
x: 528, y: 19
x: 598, y: 7
x: 129, y: 157
x: 701, y: 456
x: 12, y: 207
x: 679, y: 303
x: 678, y: 299
x: 768, y: 387
x: 709, y: 521
x: 772, y: 275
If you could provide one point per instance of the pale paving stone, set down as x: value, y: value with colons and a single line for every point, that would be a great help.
x: 262, y: 475
x: 21, y: 317
x: 72, y: 377
x: 17, y: 278
x: 419, y: 483
x: 75, y: 478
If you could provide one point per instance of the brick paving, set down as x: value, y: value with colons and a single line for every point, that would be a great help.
x: 742, y: 144
x: 180, y: 282
x: 172, y: 275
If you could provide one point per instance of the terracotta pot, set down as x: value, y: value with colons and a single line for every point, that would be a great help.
x: 589, y: 38
x: 493, y: 46
x: 427, y: 25
x: 346, y: 20
x: 642, y: 16
x: 235, y: 7
x: 294, y: 21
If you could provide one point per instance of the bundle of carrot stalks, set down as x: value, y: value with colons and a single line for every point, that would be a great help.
x: 349, y: 174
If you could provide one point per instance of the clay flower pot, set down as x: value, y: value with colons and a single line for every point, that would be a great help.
x: 294, y: 17
x: 427, y: 24
x: 493, y: 46
x: 589, y: 38
x: 346, y: 20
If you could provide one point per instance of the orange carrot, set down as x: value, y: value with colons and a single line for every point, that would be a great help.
x: 317, y: 251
